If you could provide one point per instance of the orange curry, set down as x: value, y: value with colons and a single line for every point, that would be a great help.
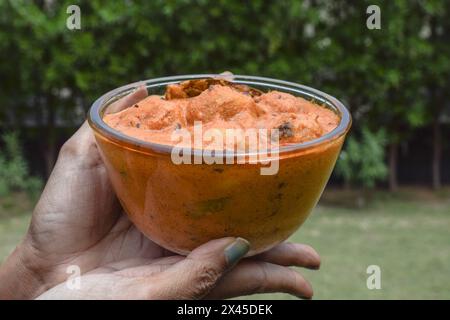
x: 183, y: 206
x: 223, y: 106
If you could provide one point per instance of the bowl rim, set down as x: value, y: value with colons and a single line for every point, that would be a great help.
x: 96, y: 122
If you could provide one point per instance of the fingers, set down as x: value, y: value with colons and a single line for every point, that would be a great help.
x: 226, y: 75
x: 292, y: 254
x: 127, y: 101
x: 251, y: 277
x: 268, y: 272
x: 197, y: 275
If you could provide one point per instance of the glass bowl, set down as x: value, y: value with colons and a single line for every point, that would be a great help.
x: 181, y: 206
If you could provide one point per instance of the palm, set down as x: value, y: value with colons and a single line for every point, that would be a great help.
x: 125, y: 276
x: 78, y: 220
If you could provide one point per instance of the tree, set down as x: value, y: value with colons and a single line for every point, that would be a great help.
x: 14, y: 172
x: 436, y: 66
x: 394, y: 77
x: 361, y: 163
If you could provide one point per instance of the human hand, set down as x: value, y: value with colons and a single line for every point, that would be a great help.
x: 79, y: 221
x: 211, y: 271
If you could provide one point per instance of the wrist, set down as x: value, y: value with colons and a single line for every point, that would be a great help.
x: 19, y: 276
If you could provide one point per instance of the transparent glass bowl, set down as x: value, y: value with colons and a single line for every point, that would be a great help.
x: 183, y: 206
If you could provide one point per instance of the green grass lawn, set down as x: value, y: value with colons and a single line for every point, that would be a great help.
x: 15, y: 213
x: 406, y: 235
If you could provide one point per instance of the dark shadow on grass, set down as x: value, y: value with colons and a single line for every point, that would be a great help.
x: 363, y: 199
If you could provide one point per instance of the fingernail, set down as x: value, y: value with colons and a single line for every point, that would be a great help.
x: 236, y: 251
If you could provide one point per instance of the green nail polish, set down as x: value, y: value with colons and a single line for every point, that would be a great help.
x: 236, y: 250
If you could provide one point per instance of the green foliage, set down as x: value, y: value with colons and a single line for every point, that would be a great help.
x: 362, y: 160
x: 385, y: 76
x: 14, y: 173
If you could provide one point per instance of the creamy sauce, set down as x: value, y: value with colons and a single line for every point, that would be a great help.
x: 222, y: 107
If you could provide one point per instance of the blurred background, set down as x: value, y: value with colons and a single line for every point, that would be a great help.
x: 388, y: 201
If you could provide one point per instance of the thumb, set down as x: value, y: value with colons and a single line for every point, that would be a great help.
x: 195, y: 276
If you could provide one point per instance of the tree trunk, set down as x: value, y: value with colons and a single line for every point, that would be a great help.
x: 50, y: 151
x: 437, y: 154
x: 347, y: 185
x: 50, y: 156
x: 438, y: 102
x: 393, y: 156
